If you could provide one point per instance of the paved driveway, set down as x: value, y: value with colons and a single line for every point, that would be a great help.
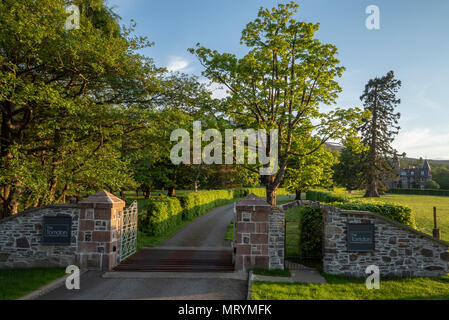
x: 207, y: 231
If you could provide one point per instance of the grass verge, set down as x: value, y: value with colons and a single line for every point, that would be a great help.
x: 15, y: 283
x: 272, y: 273
x: 347, y: 288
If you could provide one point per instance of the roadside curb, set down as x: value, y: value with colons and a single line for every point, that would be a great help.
x: 250, y: 282
x: 48, y: 287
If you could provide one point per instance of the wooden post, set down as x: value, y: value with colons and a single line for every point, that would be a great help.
x: 436, y: 231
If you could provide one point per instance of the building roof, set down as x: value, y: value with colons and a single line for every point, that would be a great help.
x: 426, y: 166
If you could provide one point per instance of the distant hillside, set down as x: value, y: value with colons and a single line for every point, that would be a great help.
x: 334, y: 146
x: 418, y: 162
x: 404, y: 162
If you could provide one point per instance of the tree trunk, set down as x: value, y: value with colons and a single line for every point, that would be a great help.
x: 171, y: 191
x: 137, y: 193
x: 372, y: 190
x: 298, y: 194
x: 271, y: 195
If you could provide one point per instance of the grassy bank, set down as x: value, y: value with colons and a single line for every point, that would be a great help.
x: 16, y: 283
x: 346, y: 288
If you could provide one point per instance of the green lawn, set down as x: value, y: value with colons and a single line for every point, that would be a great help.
x: 16, y: 283
x: 345, y: 288
x: 422, y: 207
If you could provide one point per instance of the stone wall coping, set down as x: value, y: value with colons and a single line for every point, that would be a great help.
x: 252, y: 200
x: 50, y: 206
x: 394, y: 223
x: 102, y: 197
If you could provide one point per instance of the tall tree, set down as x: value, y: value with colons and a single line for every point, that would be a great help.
x: 279, y: 84
x: 64, y: 100
x: 380, y: 99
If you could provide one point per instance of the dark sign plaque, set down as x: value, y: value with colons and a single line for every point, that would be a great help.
x: 57, y: 230
x: 360, y: 237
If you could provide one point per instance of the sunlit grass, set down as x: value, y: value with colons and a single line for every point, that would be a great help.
x: 346, y: 288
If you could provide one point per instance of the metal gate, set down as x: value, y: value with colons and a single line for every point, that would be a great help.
x: 128, y: 232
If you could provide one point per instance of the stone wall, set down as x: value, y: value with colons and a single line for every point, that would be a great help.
x: 399, y: 250
x: 21, y: 235
x: 259, y: 235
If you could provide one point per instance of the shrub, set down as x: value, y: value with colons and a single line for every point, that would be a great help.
x: 197, y: 203
x: 310, y: 232
x: 160, y: 215
x: 431, y: 184
x: 396, y: 212
x: 426, y: 192
x: 323, y: 196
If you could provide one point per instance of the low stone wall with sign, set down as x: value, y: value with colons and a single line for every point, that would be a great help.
x: 21, y: 239
x: 354, y: 240
x: 396, y: 249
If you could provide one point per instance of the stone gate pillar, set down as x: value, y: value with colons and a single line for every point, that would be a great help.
x: 99, y: 231
x: 259, y: 235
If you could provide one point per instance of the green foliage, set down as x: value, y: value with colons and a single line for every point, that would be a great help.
x: 281, y: 81
x: 441, y: 176
x: 348, y: 171
x: 160, y: 215
x: 396, y: 212
x: 380, y: 99
x: 310, y: 232
x: 429, y: 192
x: 431, y: 184
x: 324, y: 196
x: 197, y: 203
x: 310, y: 171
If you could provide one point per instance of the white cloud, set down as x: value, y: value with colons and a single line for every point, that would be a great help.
x: 218, y: 91
x: 423, y: 142
x: 178, y: 64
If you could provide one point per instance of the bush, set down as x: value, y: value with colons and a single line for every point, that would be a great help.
x: 197, y: 203
x: 428, y: 192
x: 396, y: 212
x: 323, y: 196
x: 160, y: 215
x: 310, y: 233
x: 431, y: 185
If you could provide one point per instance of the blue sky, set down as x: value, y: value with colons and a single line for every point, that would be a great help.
x: 413, y: 40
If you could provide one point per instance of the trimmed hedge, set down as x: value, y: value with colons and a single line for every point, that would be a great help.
x: 161, y: 214
x: 198, y: 203
x: 396, y: 212
x: 426, y: 192
x: 323, y: 196
x: 310, y: 232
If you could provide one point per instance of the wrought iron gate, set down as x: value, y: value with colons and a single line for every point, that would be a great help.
x: 128, y: 231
